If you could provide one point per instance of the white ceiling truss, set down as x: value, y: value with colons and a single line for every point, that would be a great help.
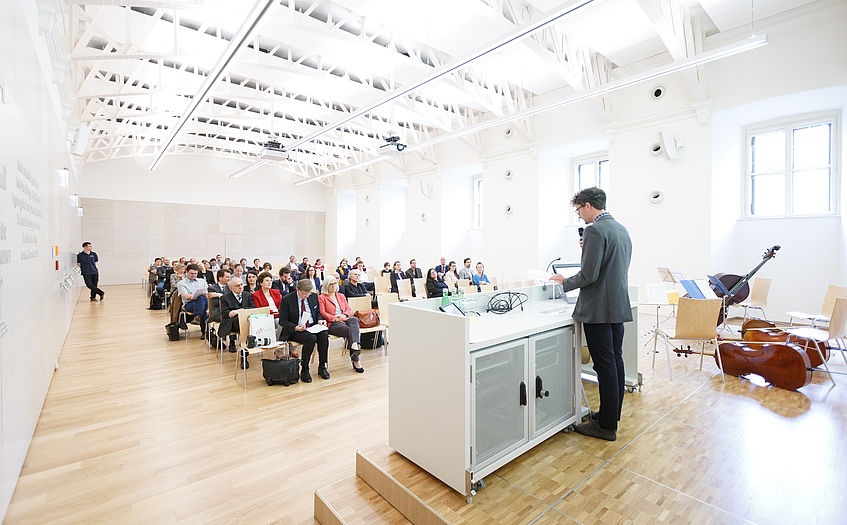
x: 136, y: 64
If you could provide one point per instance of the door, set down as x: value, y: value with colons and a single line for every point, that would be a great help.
x: 552, y: 378
x: 499, y: 400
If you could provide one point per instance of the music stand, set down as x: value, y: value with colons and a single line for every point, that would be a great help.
x: 658, y: 297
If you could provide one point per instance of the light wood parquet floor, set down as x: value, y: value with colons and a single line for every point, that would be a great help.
x: 137, y: 429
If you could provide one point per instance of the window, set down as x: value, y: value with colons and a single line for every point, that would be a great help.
x: 477, y: 201
x: 591, y: 171
x: 791, y: 167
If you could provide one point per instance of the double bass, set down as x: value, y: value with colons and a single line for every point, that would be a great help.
x: 737, y: 285
x: 783, y: 365
x: 763, y: 331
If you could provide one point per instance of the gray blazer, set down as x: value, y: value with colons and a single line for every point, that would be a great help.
x: 603, y: 276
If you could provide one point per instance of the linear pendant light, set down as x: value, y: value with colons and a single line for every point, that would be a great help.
x: 248, y: 169
x: 716, y: 54
x: 241, y: 37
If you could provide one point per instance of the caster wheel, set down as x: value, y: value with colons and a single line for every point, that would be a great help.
x: 269, y: 382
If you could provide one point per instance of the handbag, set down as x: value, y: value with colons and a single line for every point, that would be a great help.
x: 281, y: 371
x: 262, y: 326
x: 172, y: 329
x: 367, y: 318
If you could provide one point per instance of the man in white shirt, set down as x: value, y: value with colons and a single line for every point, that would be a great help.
x: 193, y: 291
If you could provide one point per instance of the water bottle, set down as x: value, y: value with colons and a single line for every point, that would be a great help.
x: 444, y: 299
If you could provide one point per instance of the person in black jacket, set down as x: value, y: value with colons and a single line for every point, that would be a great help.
x: 285, y: 283
x: 397, y: 274
x: 297, y: 312
x: 357, y: 288
x: 232, y: 301
x: 434, y: 287
x: 414, y: 273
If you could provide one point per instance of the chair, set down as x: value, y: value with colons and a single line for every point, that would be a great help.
x: 468, y: 290
x: 382, y: 284
x: 696, y: 320
x: 837, y: 331
x: 758, y: 296
x: 461, y: 283
x: 404, y: 290
x: 487, y: 287
x: 832, y: 293
x: 383, y: 301
x: 419, y: 287
x: 244, y: 329
x: 364, y: 303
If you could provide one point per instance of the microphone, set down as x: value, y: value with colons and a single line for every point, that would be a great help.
x: 581, y: 230
x: 551, y: 262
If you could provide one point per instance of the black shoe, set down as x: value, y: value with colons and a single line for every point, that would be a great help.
x: 102, y: 295
x: 245, y: 364
x: 305, y: 376
x: 593, y: 429
x: 93, y: 298
x: 360, y: 369
x: 232, y: 346
x: 182, y: 325
x: 323, y: 372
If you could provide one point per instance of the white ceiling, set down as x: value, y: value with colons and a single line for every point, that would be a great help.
x: 311, y: 62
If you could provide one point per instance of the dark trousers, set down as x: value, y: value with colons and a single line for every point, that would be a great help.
x: 91, y: 282
x: 308, y: 340
x: 199, y: 307
x: 605, y: 342
x: 349, y: 330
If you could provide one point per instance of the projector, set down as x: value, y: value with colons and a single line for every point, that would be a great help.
x: 273, y: 150
x: 392, y: 145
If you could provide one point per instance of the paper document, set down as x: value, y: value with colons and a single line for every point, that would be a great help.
x: 316, y: 328
x: 198, y: 293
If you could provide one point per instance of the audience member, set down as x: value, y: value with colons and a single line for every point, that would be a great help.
x: 292, y: 265
x: 343, y: 270
x: 152, y: 271
x: 257, y: 266
x: 214, y: 293
x: 285, y: 284
x: 192, y: 290
x: 357, y: 261
x: 413, y: 272
x: 193, y: 261
x: 386, y: 269
x: 243, y: 263
x: 207, y: 272
x: 252, y: 282
x: 479, y: 277
x: 441, y: 269
x: 176, y: 277
x: 267, y: 267
x: 219, y: 260
x: 311, y: 274
x: 267, y: 296
x: 335, y: 310
x: 300, y: 311
x: 232, y: 301
x: 363, y: 275
x: 319, y: 267
x: 397, y: 274
x: 465, y: 271
x: 238, y: 271
x: 354, y: 288
x: 451, y: 277
x: 301, y: 268
x: 163, y: 273
x: 434, y: 286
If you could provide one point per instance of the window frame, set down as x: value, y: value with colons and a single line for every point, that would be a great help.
x: 594, y: 158
x: 477, y: 220
x: 787, y: 125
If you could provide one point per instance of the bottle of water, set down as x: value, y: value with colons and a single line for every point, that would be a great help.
x: 444, y: 299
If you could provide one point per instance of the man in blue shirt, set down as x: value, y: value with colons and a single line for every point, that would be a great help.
x: 87, y: 262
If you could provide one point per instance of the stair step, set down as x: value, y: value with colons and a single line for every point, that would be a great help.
x: 352, y: 501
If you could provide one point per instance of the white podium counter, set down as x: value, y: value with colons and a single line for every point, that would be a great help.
x: 469, y: 394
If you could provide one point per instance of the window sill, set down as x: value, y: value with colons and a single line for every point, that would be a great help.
x: 783, y: 217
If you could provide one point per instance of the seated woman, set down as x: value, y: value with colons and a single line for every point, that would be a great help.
x: 312, y: 275
x: 179, y: 273
x: 335, y: 310
x: 386, y: 269
x: 207, y: 273
x: 434, y: 287
x: 343, y: 270
x: 397, y: 274
x: 479, y: 277
x: 252, y: 282
x: 319, y: 269
x: 451, y: 276
x: 265, y: 296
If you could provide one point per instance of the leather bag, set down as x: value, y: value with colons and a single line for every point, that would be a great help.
x: 367, y: 318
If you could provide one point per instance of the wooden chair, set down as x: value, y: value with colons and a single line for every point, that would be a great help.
x: 696, y: 320
x: 383, y: 302
x: 487, y: 287
x: 469, y: 290
x: 758, y: 296
x: 419, y: 287
x: 364, y: 303
x: 837, y: 332
x: 462, y: 283
x: 382, y: 284
x: 832, y: 293
x: 244, y: 330
x: 404, y: 290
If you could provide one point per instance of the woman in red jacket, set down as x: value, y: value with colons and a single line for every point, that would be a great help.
x: 265, y: 296
x: 335, y: 310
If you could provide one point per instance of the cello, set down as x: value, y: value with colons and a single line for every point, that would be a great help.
x: 736, y: 286
x: 762, y: 331
x: 783, y: 365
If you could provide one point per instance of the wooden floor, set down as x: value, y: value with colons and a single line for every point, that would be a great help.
x: 136, y: 429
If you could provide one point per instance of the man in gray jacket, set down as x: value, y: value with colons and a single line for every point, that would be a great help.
x: 603, y: 305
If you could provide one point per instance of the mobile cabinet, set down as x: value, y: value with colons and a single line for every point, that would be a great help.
x: 519, y: 390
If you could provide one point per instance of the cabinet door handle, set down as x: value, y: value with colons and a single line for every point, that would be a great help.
x: 523, y: 394
x: 539, y: 388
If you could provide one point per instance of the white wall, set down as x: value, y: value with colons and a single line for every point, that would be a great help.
x: 32, y: 301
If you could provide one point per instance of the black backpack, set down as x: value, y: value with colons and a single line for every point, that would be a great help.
x: 172, y: 329
x: 156, y: 302
x: 281, y: 371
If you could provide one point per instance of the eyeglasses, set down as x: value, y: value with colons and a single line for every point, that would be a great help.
x: 579, y: 208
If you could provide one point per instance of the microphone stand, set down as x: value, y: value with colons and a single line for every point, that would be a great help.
x: 551, y: 263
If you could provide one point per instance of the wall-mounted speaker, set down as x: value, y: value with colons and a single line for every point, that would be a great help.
x: 81, y: 141
x: 508, y: 132
x: 657, y: 92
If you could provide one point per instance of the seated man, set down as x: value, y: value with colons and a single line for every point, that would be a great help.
x: 238, y: 271
x: 257, y: 266
x: 292, y: 265
x: 298, y: 311
x: 215, y: 292
x: 415, y: 273
x: 189, y: 287
x: 231, y: 302
x: 301, y: 268
x: 284, y: 284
